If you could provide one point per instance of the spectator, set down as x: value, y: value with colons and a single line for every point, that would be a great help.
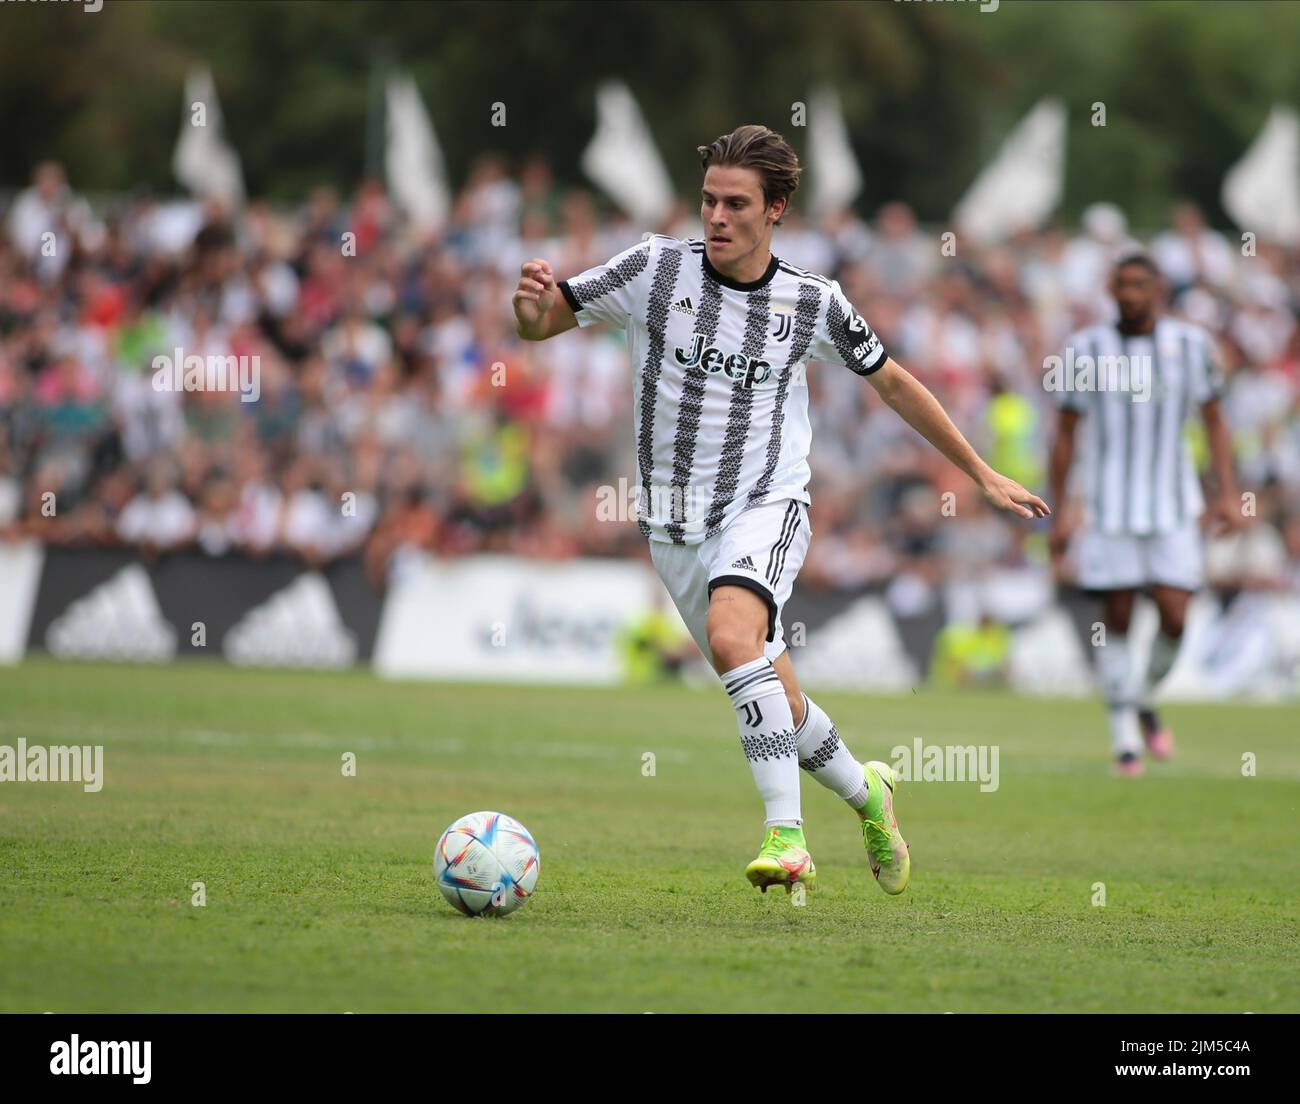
x: 398, y: 413
x: 159, y: 518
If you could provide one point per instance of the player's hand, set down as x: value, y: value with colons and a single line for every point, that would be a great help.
x: 536, y: 292
x: 1224, y: 515
x: 1007, y: 494
x: 1058, y: 538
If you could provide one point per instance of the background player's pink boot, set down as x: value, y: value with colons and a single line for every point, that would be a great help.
x: 1128, y: 766
x: 1158, y: 739
x: 1160, y: 743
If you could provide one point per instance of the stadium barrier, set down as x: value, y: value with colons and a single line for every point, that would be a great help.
x: 113, y: 605
x: 501, y: 618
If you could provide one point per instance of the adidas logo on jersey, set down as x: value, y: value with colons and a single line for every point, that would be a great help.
x: 684, y: 305
x: 745, y: 562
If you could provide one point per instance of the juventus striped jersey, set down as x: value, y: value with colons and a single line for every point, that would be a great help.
x: 1136, y: 393
x: 720, y: 400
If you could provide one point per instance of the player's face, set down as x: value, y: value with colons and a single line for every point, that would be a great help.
x: 1135, y: 289
x: 736, y: 221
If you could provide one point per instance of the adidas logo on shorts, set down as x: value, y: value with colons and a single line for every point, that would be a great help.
x: 684, y: 305
x: 745, y: 562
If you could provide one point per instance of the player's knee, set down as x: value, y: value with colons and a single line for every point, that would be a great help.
x: 1118, y: 615
x: 1172, y: 623
x: 734, y: 643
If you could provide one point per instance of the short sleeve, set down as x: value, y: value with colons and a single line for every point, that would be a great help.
x: 845, y: 338
x: 610, y: 292
x: 1206, y: 368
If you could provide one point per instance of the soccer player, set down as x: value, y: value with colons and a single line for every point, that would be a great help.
x: 1136, y: 382
x: 719, y: 330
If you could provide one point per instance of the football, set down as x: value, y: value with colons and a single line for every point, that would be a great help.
x: 486, y: 864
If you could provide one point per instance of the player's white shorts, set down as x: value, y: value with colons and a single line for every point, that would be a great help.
x: 1123, y: 561
x: 763, y: 550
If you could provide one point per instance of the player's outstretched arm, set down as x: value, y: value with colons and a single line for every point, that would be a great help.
x: 921, y: 410
x: 540, y: 310
x: 1224, y: 511
x: 1060, y: 460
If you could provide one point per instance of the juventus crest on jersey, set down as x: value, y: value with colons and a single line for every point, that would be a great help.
x: 1136, y: 392
x: 720, y: 402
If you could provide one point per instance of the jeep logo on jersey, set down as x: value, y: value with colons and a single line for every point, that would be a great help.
x: 747, y: 370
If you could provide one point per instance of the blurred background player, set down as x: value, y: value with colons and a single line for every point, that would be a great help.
x: 654, y: 647
x: 971, y: 655
x: 1133, y: 384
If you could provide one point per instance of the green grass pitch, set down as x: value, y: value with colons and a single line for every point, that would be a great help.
x: 320, y: 894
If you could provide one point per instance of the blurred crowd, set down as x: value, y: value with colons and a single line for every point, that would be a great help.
x: 397, y: 410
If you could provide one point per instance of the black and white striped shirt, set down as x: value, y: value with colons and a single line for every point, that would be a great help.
x: 1137, y: 393
x: 720, y: 400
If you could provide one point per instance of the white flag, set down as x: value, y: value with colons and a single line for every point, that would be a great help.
x: 622, y: 158
x: 413, y: 164
x: 203, y: 162
x: 1262, y: 191
x: 1021, y: 186
x: 836, y: 178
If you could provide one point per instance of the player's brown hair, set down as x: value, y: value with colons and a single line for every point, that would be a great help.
x: 756, y: 147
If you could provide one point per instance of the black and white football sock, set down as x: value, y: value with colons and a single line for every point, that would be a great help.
x: 767, y: 735
x: 1115, y: 674
x: 1164, y: 653
x: 824, y: 756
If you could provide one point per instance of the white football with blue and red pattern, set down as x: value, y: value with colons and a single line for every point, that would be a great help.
x: 486, y: 864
